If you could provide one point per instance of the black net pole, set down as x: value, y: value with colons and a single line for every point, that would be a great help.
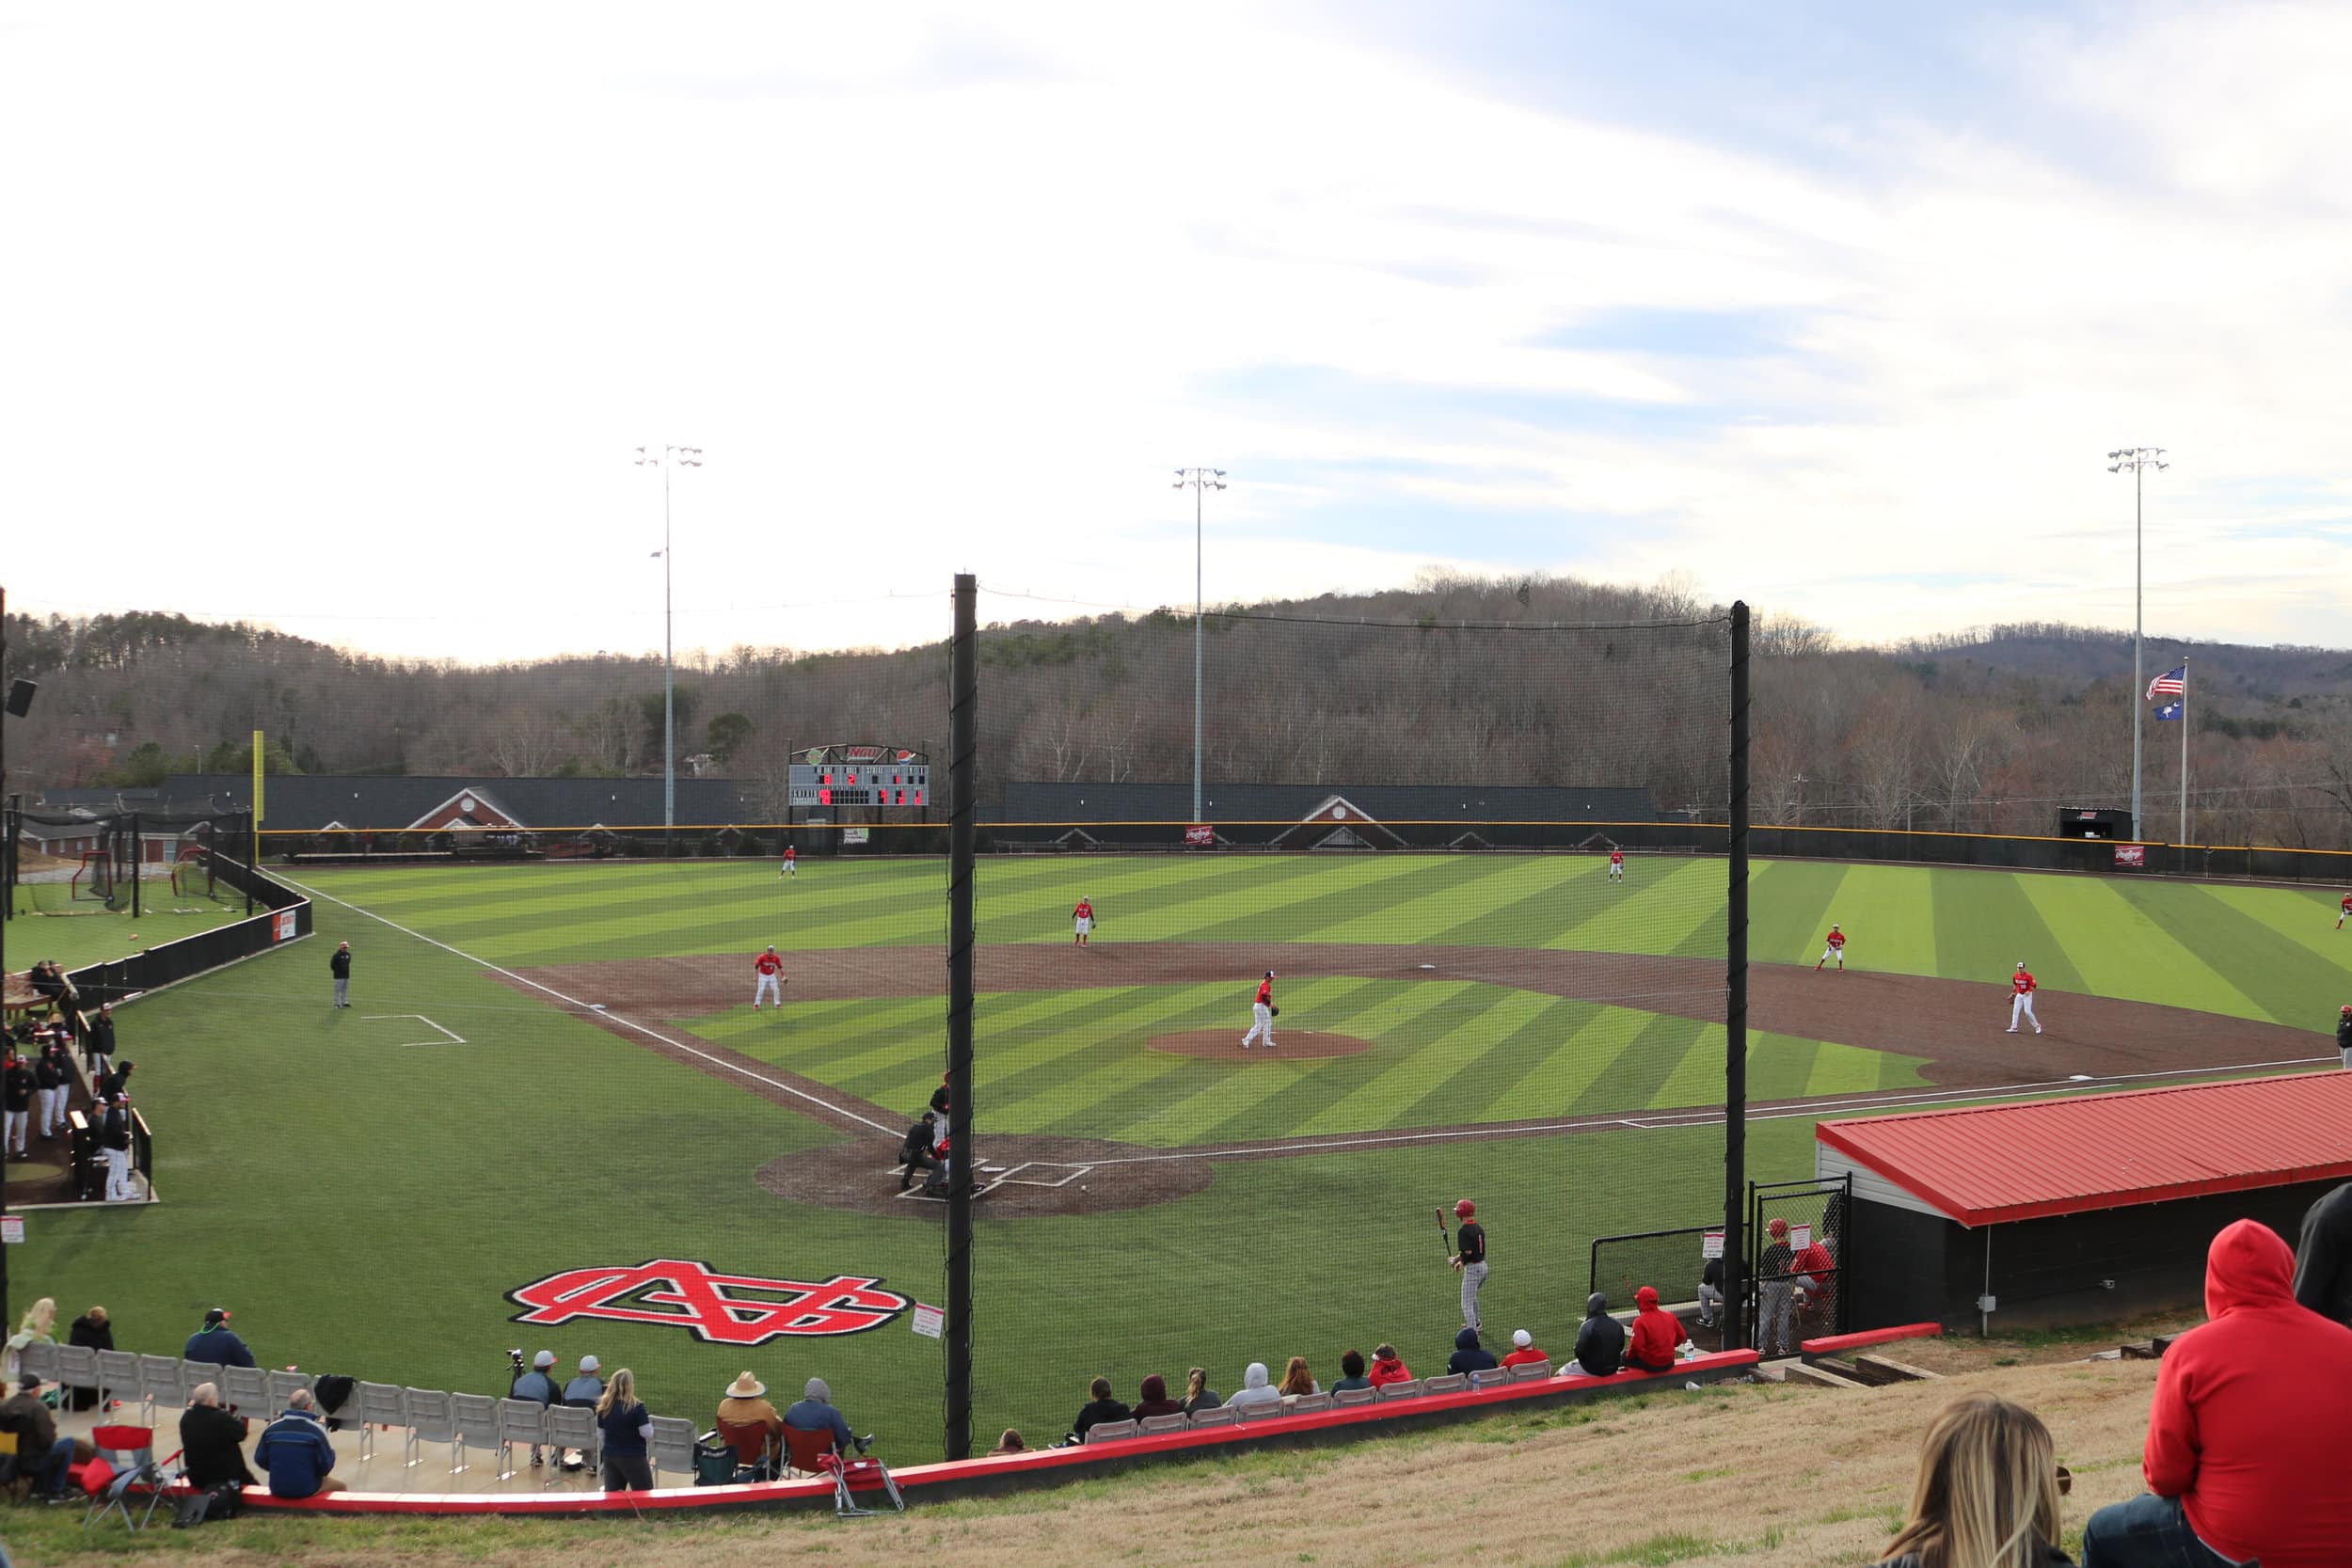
x: 139, y: 865
x: 1735, y: 994
x: 962, y: 740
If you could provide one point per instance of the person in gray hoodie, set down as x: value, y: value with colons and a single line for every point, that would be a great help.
x: 1255, y: 1394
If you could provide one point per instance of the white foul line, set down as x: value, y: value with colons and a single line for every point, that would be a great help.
x: 453, y: 1037
x: 584, y: 1008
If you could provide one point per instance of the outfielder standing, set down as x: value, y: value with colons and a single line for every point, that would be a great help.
x: 791, y: 866
x: 1470, y: 1259
x: 2021, y: 988
x: 770, y: 967
x: 2344, y: 910
x: 1617, y: 865
x: 1082, y: 921
x: 1836, y: 949
x: 1262, y: 1014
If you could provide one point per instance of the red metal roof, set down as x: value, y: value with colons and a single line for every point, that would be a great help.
x: 1988, y: 1164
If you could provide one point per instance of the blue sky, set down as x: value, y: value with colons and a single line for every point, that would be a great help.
x: 1832, y: 307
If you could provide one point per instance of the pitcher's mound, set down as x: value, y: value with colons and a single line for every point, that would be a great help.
x: 1291, y: 1045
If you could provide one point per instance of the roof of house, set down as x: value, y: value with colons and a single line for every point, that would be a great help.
x: 1038, y: 802
x: 307, y: 801
x: 1988, y: 1164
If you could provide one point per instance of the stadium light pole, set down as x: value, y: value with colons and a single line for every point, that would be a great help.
x: 2139, y: 460
x: 1200, y: 480
x: 666, y: 458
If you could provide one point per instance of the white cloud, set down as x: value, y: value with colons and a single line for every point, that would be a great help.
x: 348, y: 323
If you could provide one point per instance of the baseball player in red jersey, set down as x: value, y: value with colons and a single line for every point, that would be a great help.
x: 791, y: 866
x: 1617, y: 865
x: 1082, y: 921
x: 1836, y: 949
x: 2343, y: 911
x: 2021, y: 999
x: 1262, y: 1014
x: 770, y: 967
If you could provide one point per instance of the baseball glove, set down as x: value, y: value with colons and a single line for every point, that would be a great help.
x: 1274, y: 1012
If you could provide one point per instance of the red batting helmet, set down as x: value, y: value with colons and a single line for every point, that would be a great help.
x: 1465, y: 1209
x: 1778, y: 1227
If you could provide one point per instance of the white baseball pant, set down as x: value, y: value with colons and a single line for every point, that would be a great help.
x: 1263, y: 1024
x: 118, y: 1188
x: 771, y: 988
x: 2021, y: 1006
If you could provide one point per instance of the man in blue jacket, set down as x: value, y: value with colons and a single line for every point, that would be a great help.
x: 215, y: 1342
x: 296, y: 1452
x: 1468, y: 1355
x: 815, y: 1413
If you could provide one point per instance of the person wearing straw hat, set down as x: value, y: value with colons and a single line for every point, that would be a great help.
x: 749, y: 1425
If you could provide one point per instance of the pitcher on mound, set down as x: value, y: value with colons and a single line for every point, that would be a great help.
x: 1262, y: 1013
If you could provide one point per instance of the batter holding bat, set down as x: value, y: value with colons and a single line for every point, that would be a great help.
x: 1262, y: 1013
x: 1467, y: 1252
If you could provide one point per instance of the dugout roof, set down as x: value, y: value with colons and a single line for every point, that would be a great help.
x: 1989, y: 1164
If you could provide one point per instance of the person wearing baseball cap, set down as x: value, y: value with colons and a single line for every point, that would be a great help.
x: 216, y: 1341
x: 588, y: 1387
x: 1262, y: 1013
x: 340, y: 967
x: 41, y: 1451
x: 1776, y: 1292
x: 538, y: 1386
x: 2344, y: 1035
x: 1470, y: 1257
x: 1524, y: 1352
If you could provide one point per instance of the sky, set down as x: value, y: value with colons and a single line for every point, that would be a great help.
x: 349, y: 320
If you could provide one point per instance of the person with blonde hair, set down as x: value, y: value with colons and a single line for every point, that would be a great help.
x: 628, y: 1429
x: 1987, y: 1495
x: 39, y: 1321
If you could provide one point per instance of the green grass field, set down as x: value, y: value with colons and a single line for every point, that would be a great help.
x: 364, y: 1188
x: 50, y: 925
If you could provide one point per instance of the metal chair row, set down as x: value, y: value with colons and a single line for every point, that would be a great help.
x: 1308, y: 1404
x: 159, y: 1382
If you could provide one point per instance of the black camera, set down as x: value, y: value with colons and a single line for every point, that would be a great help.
x: 516, y: 1357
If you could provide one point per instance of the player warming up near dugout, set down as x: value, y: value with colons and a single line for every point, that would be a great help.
x: 1082, y: 921
x: 1262, y: 1013
x: 1470, y: 1257
x: 1617, y: 865
x: 2021, y: 988
x: 770, y: 967
x: 1836, y: 949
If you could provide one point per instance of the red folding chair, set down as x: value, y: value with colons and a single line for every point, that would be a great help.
x: 812, y: 1454
x: 131, y: 1453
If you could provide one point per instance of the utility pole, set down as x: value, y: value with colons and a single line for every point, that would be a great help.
x: 666, y: 458
x: 1200, y: 480
x: 2139, y: 460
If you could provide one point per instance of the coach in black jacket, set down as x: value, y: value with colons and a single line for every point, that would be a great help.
x: 1600, y: 1343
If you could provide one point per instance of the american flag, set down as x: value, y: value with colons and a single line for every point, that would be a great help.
x: 2172, y: 683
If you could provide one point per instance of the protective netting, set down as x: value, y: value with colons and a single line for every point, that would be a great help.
x: 560, y: 1112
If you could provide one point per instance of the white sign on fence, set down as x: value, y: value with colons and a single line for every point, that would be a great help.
x: 1711, y: 1245
x: 852, y: 835
x: 928, y: 1320
x: 11, y: 1228
x: 1799, y: 1237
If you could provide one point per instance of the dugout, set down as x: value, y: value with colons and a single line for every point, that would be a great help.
x: 2075, y: 1210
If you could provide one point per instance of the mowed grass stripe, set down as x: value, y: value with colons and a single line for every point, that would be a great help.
x: 2288, y: 981
x: 1654, y: 919
x: 1261, y: 898
x: 1514, y: 1053
x: 1030, y: 1030
x: 1697, y: 1077
x: 1123, y: 904
x: 1402, y: 1078
x: 1560, y: 1080
x: 1637, y: 1072
x: 1414, y: 918
x: 1095, y: 1073
x: 1885, y: 902
x: 2307, y: 918
x: 2117, y: 950
x: 1534, y: 916
x: 1789, y: 908
x: 1330, y: 901
x: 1392, y: 1010
x: 1985, y: 923
x: 1849, y: 1070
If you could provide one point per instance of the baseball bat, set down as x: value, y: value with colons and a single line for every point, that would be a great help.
x: 1445, y: 1242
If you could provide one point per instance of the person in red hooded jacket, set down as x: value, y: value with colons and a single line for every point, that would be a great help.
x: 1655, y: 1333
x: 2249, y: 1440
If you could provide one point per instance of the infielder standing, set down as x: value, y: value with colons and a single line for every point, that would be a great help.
x: 1262, y: 1014
x: 1617, y: 865
x: 1470, y: 1259
x: 1082, y: 921
x: 2021, y: 999
x: 1836, y: 949
x: 770, y: 967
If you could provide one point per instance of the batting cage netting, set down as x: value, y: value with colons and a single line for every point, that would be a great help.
x: 590, y: 1017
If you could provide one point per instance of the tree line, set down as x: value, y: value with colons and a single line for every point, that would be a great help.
x: 1452, y: 680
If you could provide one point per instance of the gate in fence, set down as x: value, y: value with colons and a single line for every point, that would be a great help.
x: 1796, y: 1261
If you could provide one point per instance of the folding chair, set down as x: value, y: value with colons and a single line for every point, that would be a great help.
x: 379, y: 1404
x: 1530, y: 1372
x: 117, y: 1377
x: 1490, y: 1377
x: 77, y: 1366
x: 477, y: 1419
x: 131, y: 1451
x: 672, y: 1447
x: 1109, y: 1431
x: 194, y: 1372
x: 282, y: 1387
x: 432, y: 1421
x: 1451, y: 1382
x: 521, y: 1424
x: 759, y: 1454
x: 812, y: 1453
x: 1252, y: 1415
x: 163, y: 1384
x: 1406, y: 1389
x: 40, y: 1358
x: 1353, y: 1396
x: 1223, y: 1415
x: 1164, y: 1423
x: 246, y: 1390
x: 1309, y: 1404
x: 572, y: 1426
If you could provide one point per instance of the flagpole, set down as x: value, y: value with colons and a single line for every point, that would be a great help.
x: 2185, y: 747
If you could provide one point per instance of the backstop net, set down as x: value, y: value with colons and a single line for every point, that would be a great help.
x: 1415, y: 944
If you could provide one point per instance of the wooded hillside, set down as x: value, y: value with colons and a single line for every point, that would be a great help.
x: 1991, y: 732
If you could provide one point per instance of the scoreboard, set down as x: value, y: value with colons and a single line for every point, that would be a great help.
x: 859, y: 775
